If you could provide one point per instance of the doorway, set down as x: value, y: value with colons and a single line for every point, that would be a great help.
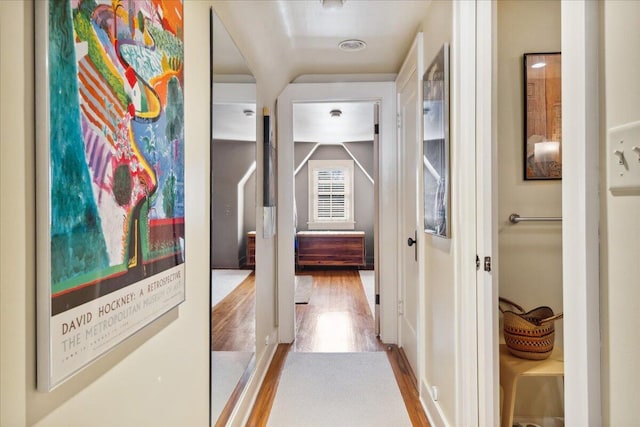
x: 334, y: 215
x: 580, y: 118
x: 385, y: 258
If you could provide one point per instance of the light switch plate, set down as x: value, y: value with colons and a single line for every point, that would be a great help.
x: 623, y: 159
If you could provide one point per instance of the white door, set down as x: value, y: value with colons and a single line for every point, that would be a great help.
x: 486, y: 187
x: 409, y: 142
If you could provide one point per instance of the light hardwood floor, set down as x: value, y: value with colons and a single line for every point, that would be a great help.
x: 233, y: 321
x: 337, y: 319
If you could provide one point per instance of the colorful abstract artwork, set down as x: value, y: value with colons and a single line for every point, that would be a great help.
x: 111, y: 160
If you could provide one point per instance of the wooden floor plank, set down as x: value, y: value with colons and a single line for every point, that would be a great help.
x: 233, y: 321
x: 337, y: 317
x: 407, y: 384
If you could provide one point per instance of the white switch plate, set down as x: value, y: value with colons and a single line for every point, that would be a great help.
x: 624, y: 178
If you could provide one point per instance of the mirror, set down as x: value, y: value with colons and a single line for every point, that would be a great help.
x: 436, y: 145
x: 233, y: 216
x: 542, y: 116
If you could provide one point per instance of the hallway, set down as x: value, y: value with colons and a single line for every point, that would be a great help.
x: 337, y: 319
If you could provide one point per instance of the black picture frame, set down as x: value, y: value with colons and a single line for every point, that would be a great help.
x: 436, y: 170
x: 269, y: 164
x: 542, y: 99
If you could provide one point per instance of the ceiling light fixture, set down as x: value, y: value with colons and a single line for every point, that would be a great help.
x: 248, y: 113
x: 352, y: 45
x: 335, y: 113
x: 332, y: 4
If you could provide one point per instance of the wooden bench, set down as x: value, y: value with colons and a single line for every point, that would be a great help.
x: 513, y: 368
x: 331, y: 248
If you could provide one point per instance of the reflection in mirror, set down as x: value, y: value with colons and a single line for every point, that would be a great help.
x: 233, y: 213
x: 436, y: 145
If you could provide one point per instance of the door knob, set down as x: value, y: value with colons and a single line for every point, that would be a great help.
x: 411, y: 241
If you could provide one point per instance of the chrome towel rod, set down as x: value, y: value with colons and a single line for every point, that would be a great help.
x: 514, y: 218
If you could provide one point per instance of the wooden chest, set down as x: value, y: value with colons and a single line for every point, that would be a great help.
x: 331, y: 248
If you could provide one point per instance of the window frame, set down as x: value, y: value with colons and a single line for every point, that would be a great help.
x: 315, y: 223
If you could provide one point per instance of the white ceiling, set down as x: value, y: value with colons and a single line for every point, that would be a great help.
x: 232, y: 124
x: 297, y: 37
x: 313, y: 123
x: 298, y: 40
x: 227, y: 59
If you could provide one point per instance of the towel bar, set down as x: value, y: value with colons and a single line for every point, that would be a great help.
x: 514, y: 218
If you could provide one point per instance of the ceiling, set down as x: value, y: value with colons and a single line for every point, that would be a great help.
x: 228, y: 62
x: 232, y: 122
x: 297, y: 40
x: 312, y: 122
x: 301, y: 36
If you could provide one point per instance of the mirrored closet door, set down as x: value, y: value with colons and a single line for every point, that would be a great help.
x: 233, y: 214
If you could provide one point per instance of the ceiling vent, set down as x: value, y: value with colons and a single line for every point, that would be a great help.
x: 352, y: 45
x: 332, y: 4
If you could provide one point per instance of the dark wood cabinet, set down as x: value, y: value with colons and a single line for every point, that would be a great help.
x: 331, y: 248
x: 251, y: 249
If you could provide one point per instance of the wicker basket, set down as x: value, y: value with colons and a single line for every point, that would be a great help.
x: 531, y: 334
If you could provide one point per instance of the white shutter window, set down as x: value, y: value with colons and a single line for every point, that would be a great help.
x: 331, y: 194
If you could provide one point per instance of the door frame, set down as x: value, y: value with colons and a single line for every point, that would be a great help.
x: 580, y: 32
x: 486, y: 188
x: 580, y: 36
x: 413, y: 63
x: 469, y: 375
x: 385, y: 258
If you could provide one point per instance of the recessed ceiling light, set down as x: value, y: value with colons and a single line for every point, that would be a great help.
x: 335, y: 113
x: 352, y: 45
x: 538, y: 65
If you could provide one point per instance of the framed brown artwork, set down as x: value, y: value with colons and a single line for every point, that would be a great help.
x: 542, y: 116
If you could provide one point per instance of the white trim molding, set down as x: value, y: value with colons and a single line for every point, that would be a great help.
x: 385, y: 181
x: 487, y: 212
x: 463, y: 95
x: 322, y: 173
x: 580, y: 24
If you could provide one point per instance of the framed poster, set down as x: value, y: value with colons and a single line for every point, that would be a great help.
x: 542, y: 116
x: 269, y: 164
x: 110, y: 175
x: 436, y: 145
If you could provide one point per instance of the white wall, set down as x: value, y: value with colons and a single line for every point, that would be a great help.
x: 620, y: 243
x: 439, y: 361
x: 157, y: 377
x: 530, y: 271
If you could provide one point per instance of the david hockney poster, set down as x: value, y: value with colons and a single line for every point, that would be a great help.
x: 110, y: 175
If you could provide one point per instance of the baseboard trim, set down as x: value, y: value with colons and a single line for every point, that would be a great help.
x: 432, y: 408
x: 241, y: 414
